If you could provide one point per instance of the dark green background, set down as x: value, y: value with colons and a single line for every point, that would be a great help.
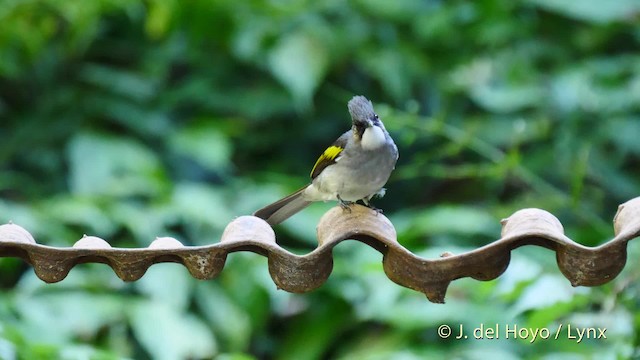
x: 129, y: 120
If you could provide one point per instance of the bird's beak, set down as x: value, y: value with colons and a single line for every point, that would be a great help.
x: 365, y: 123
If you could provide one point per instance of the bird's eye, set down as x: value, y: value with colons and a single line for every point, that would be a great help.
x: 376, y: 116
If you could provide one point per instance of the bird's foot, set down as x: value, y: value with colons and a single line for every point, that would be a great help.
x: 378, y: 211
x: 367, y: 203
x: 345, y: 205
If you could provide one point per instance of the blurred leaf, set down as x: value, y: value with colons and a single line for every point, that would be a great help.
x: 81, y: 212
x: 70, y: 314
x: 593, y: 10
x: 105, y: 165
x: 299, y: 61
x: 401, y: 10
x: 570, y: 90
x: 624, y: 131
x: 169, y: 284
x: 86, y: 352
x: 544, y: 316
x: 249, y: 41
x: 119, y: 81
x: 7, y: 349
x: 448, y: 219
x: 230, y: 322
x: 204, y: 143
x: 550, y: 293
x: 20, y: 214
x: 159, y: 18
x: 392, y: 68
x: 509, y: 132
x: 375, y: 345
x: 236, y: 356
x: 139, y: 118
x: 168, y: 333
x: 310, y: 341
x: 203, y: 209
x: 92, y: 278
x: 504, y: 99
x: 521, y: 271
x: 495, y: 84
x: 249, y: 286
x: 144, y: 222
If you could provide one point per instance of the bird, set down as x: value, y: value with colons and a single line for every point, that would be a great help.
x: 354, y: 168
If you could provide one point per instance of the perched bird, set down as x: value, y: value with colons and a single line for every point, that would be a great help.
x: 355, y: 167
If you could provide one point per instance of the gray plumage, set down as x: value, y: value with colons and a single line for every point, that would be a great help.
x: 284, y: 208
x: 358, y: 172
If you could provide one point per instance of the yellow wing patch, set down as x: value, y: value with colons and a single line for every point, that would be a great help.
x: 328, y: 157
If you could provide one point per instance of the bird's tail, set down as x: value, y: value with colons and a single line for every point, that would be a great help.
x: 284, y: 208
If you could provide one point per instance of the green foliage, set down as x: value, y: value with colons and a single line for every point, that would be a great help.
x: 130, y: 120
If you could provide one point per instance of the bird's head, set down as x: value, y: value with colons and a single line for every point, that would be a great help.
x: 362, y: 114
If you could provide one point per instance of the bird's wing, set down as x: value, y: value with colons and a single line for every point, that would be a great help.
x: 330, y: 155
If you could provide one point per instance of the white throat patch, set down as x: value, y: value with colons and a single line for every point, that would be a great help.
x: 373, y: 138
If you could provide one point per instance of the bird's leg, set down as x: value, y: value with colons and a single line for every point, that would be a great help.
x: 367, y: 203
x: 345, y: 205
